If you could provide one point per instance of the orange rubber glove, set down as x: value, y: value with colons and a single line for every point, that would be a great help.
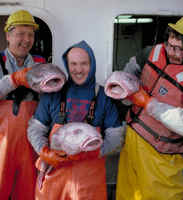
x: 51, y: 157
x: 19, y: 77
x: 56, y: 158
x: 140, y: 98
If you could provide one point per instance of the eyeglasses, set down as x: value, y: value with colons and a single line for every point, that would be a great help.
x: 176, y: 49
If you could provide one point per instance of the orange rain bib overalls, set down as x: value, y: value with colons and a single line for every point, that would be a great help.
x: 17, y: 169
x: 84, y: 179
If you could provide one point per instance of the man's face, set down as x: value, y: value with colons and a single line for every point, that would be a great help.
x: 21, y: 40
x: 174, y: 48
x: 78, y: 64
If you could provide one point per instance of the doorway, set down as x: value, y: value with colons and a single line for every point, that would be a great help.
x: 134, y: 32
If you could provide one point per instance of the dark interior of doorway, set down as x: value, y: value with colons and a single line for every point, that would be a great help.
x: 43, y: 41
x: 127, y: 42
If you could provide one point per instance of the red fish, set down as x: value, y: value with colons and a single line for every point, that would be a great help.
x: 72, y: 138
x: 121, y: 85
x: 75, y: 137
x: 46, y: 78
x: 40, y: 77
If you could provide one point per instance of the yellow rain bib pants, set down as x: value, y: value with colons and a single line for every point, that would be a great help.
x: 145, y: 174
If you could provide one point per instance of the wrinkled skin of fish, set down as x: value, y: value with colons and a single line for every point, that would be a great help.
x: 41, y: 78
x: 76, y: 137
x: 45, y: 78
x: 121, y: 85
x: 72, y: 138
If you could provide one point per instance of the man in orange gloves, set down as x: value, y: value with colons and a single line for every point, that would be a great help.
x: 17, y: 170
x: 151, y: 161
x: 81, y: 176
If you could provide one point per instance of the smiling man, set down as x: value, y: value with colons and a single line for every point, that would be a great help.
x: 152, y: 153
x: 20, y: 34
x: 78, y: 64
x: 20, y: 41
x: 17, y: 170
x: 82, y: 100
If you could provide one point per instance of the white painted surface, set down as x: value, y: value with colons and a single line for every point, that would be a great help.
x: 74, y: 20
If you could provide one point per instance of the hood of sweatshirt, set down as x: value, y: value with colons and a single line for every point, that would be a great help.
x: 91, y: 75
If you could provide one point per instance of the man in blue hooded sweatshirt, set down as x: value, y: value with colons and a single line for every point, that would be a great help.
x: 84, y: 178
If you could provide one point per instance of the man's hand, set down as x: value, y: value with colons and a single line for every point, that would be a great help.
x: 19, y: 77
x: 140, y: 98
x: 51, y: 157
x: 56, y: 158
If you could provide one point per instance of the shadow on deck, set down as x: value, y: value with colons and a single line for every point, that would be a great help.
x: 111, y: 175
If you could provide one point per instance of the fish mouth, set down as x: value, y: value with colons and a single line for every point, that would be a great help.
x: 91, y: 144
x: 116, y: 91
x: 52, y: 84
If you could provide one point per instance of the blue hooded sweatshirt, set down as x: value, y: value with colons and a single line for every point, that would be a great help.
x: 78, y: 99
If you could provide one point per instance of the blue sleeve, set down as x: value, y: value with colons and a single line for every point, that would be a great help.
x: 111, y: 117
x: 42, y: 112
x: 48, y: 108
x: 106, y: 113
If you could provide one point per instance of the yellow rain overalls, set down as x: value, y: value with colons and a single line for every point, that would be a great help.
x: 145, y: 174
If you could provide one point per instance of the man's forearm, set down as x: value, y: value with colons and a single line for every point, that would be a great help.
x: 113, y: 140
x: 37, y: 134
x: 170, y: 116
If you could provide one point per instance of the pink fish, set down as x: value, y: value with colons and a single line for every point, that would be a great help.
x: 121, y: 85
x: 46, y: 78
x: 72, y: 138
x: 41, y: 78
x: 75, y: 137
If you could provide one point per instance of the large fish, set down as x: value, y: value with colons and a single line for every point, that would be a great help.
x: 75, y: 137
x: 46, y: 78
x: 121, y: 84
x: 72, y: 138
x: 40, y: 77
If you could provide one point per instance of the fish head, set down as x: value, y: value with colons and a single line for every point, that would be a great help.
x: 121, y: 85
x: 75, y: 137
x: 46, y: 78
